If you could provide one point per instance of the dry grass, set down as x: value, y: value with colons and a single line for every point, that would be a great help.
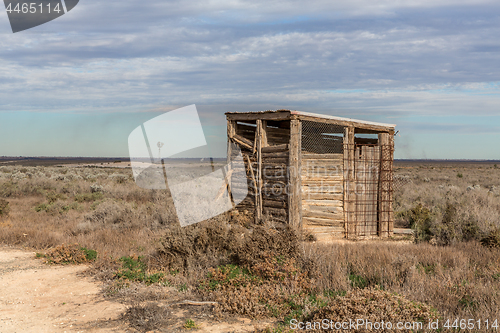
x: 54, y: 206
x: 266, y: 270
x: 374, y: 306
x: 456, y: 202
x: 461, y: 280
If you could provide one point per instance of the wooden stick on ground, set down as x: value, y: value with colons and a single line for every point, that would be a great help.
x: 187, y: 302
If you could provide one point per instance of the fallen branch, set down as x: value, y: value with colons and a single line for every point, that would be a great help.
x: 195, y: 303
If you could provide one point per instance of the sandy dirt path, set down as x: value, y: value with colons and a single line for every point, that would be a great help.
x: 40, y: 298
x: 35, y: 297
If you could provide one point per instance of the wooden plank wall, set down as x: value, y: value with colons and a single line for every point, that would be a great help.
x: 321, y: 197
x: 275, y: 180
x: 265, y: 152
x: 275, y: 136
x: 322, y: 194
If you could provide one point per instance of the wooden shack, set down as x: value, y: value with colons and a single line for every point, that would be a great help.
x: 327, y: 175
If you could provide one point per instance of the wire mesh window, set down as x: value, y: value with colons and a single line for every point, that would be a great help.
x: 320, y: 138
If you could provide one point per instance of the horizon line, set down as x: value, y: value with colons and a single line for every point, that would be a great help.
x: 224, y: 157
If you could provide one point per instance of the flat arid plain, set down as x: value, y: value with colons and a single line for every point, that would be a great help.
x: 84, y: 249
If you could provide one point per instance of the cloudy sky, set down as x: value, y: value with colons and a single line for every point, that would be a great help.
x: 78, y: 85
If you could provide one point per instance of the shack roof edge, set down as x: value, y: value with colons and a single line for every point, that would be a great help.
x: 317, y: 115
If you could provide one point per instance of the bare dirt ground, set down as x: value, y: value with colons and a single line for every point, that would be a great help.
x: 35, y: 297
x: 40, y: 298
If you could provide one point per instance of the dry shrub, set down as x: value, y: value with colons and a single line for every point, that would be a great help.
x: 215, y: 242
x: 26, y: 187
x: 372, y: 305
x: 133, y: 292
x: 28, y: 228
x: 459, y: 280
x: 244, y: 218
x: 104, y: 269
x: 146, y: 317
x: 94, y: 188
x: 69, y: 254
x: 260, y: 271
x: 203, y: 244
x: 447, y: 209
x: 110, y: 212
x: 492, y: 240
x: 4, y: 207
x: 140, y: 195
x: 118, y: 178
x: 273, y: 287
x: 264, y: 242
x: 255, y: 272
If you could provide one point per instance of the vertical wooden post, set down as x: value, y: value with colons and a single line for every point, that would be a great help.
x: 229, y: 160
x: 384, y: 184
x: 230, y: 134
x: 294, y: 179
x: 231, y: 128
x: 349, y: 184
x: 264, y: 133
x: 345, y: 177
x: 258, y: 196
x: 391, y: 181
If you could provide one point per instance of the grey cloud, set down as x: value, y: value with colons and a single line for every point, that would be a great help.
x: 141, y: 55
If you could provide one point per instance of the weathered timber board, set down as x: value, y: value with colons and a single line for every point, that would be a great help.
x: 275, y: 149
x: 322, y: 209
x: 325, y: 233
x: 322, y: 196
x: 313, y: 190
x: 273, y: 203
x: 306, y: 179
x: 275, y: 155
x: 335, y: 203
x: 322, y: 182
x: 312, y: 221
x: 327, y: 215
x: 274, y: 211
x: 322, y: 157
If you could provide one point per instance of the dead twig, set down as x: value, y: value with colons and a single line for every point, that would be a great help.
x: 187, y: 302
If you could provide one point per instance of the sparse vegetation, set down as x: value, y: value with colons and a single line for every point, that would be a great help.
x: 88, y: 197
x: 451, y: 269
x: 69, y: 254
x: 145, y: 318
x: 134, y: 269
x: 4, y: 207
x: 446, y: 210
x: 190, y: 324
x: 373, y: 305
